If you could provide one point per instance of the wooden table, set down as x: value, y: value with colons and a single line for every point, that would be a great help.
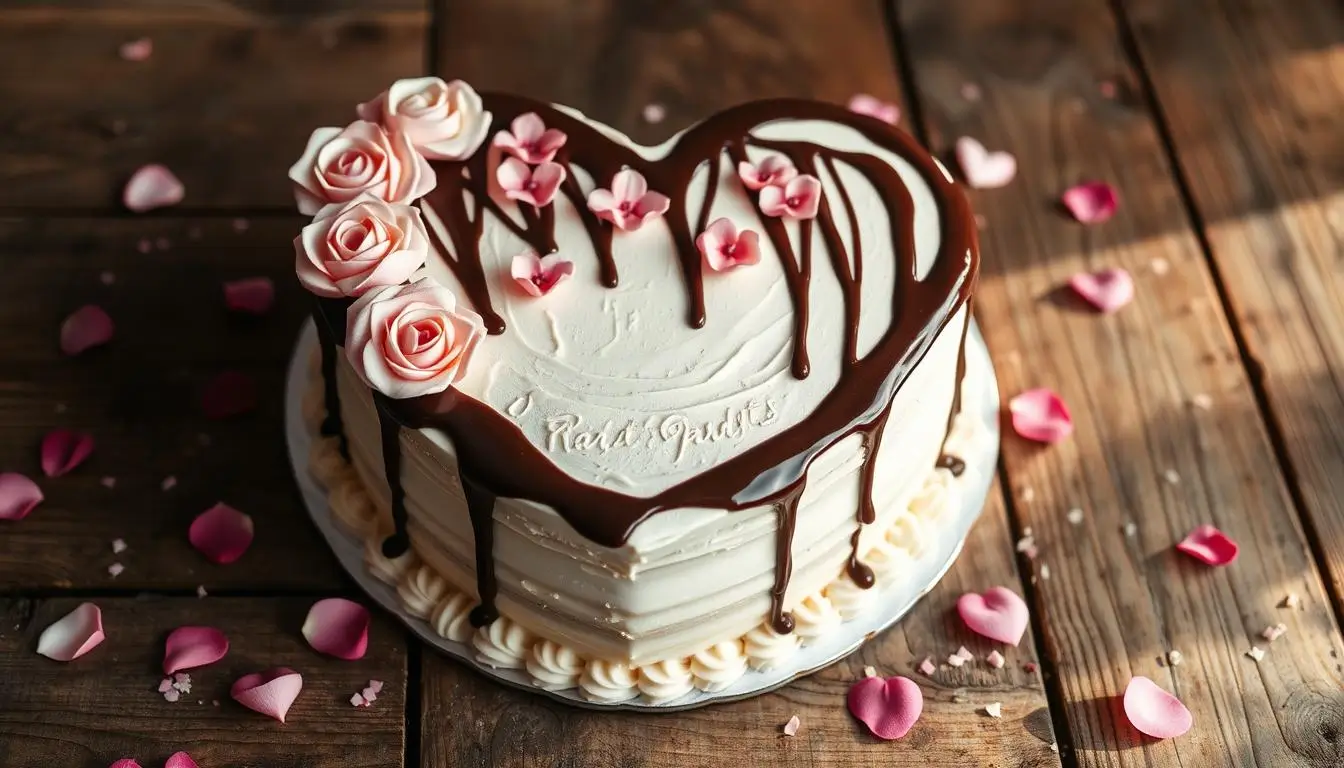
x: 1217, y: 397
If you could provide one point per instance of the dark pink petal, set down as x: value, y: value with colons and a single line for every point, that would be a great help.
x: 137, y: 50
x: 1209, y: 546
x: 63, y: 450
x: 191, y: 647
x: 180, y: 760
x: 152, y: 186
x: 775, y: 170
x: 1040, y: 415
x: 221, y: 533
x: 1091, y: 202
x: 338, y: 627
x: 87, y: 327
x: 229, y: 394
x: 1153, y: 711
x: 251, y: 295
x: 864, y: 104
x: 18, y: 496
x: 125, y: 762
x: 888, y: 707
x: 998, y: 614
x: 1107, y: 289
x: 271, y: 692
x: 984, y: 169
x: 73, y: 635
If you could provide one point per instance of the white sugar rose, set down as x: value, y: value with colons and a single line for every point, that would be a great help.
x: 410, y: 340
x: 353, y: 247
x: 445, y: 121
x: 340, y: 164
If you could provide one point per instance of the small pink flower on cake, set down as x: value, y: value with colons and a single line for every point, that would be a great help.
x: 774, y: 170
x: 411, y: 340
x: 445, y: 121
x: 340, y: 164
x: 725, y: 248
x: 360, y: 245
x: 537, y: 275
x: 535, y: 186
x: 629, y: 204
x: 799, y: 199
x: 530, y: 140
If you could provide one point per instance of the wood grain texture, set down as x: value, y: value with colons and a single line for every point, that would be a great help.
x: 105, y: 705
x: 1142, y: 453
x: 139, y: 396
x: 227, y: 100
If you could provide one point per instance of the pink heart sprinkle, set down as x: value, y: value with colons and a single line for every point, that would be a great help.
x: 865, y: 104
x: 63, y: 450
x: 221, y: 533
x: 1153, y: 711
x: 271, y: 692
x: 152, y: 186
x: 86, y: 328
x: 998, y: 614
x: 251, y: 295
x: 1209, y: 545
x: 1091, y: 202
x: 984, y: 169
x: 137, y: 50
x: 1107, y: 289
x: 888, y: 707
x: 19, y: 495
x: 338, y: 627
x: 73, y: 635
x: 180, y: 760
x: 191, y: 647
x: 1040, y: 415
x: 231, y: 393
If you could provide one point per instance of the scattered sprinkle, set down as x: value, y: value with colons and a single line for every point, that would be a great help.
x: 165, y: 685
x: 1202, y: 401
x: 654, y: 114
x: 1030, y: 667
x: 137, y: 50
x: 955, y: 660
x: 1291, y: 600
x: 1130, y: 529
x: 241, y: 225
x: 200, y: 591
x: 107, y: 277
x: 358, y: 701
x: 376, y: 686
x: 869, y: 672
x: 118, y: 546
x: 1256, y: 653
x: 965, y: 654
x: 109, y: 482
x: 995, y: 659
x: 1174, y: 658
x: 1026, y: 531
x: 172, y: 695
x: 1107, y: 89
x: 994, y: 709
x: 1275, y: 632
x: 369, y: 695
x: 1075, y: 516
x: 980, y: 221
x: 162, y: 243
x: 791, y: 727
x: 169, y: 483
x: 1028, y: 495
x: 1160, y: 266
x: 1054, y: 746
x: 144, y: 246
x: 1045, y: 572
x: 1172, y: 476
x: 970, y: 92
x: 927, y: 666
x: 114, y: 570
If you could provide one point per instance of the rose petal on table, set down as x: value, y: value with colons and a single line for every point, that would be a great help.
x: 1153, y: 711
x: 63, y: 450
x: 137, y: 50
x: 338, y: 627
x: 180, y: 760
x: 221, y: 533
x: 1091, y: 202
x: 888, y: 707
x: 997, y: 613
x: 86, y: 328
x: 125, y: 762
x: 1209, y: 545
x: 271, y: 692
x: 1107, y: 289
x: 190, y: 647
x: 984, y: 169
x: 229, y: 394
x: 18, y: 496
x: 1040, y: 415
x: 73, y: 635
x: 250, y: 295
x: 152, y: 186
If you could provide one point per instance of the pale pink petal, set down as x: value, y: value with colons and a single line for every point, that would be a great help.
x: 791, y: 727
x: 512, y: 174
x: 984, y: 169
x: 271, y: 692
x: 87, y: 327
x: 774, y: 170
x: 998, y: 613
x: 772, y: 202
x: 229, y: 394
x: 180, y: 760
x: 1153, y: 711
x: 799, y: 199
x: 73, y: 635
x: 547, y: 178
x: 537, y: 276
x: 63, y: 450
x: 18, y: 496
x: 628, y: 185
x: 137, y: 50
x: 1040, y: 415
x: 191, y: 647
x: 888, y: 707
x: 221, y: 533
x: 864, y: 104
x: 1209, y: 546
x: 338, y: 627
x: 251, y: 295
x: 152, y: 186
x: 1107, y: 289
x: 1091, y: 202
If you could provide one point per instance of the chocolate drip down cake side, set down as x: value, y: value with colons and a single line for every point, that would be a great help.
x: 634, y: 421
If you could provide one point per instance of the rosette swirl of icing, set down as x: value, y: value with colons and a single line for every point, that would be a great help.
x: 353, y: 508
x: 452, y: 617
x: 502, y: 644
x: 884, y: 559
x: 420, y: 589
x: 609, y: 681
x: 386, y: 570
x: 931, y: 501
x: 325, y: 461
x: 554, y: 667
x: 813, y: 617
x: 666, y: 680
x: 849, y: 598
x: 908, y: 533
x: 767, y: 649
x: 718, y: 666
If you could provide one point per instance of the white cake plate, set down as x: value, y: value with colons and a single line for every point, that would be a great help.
x: 980, y: 404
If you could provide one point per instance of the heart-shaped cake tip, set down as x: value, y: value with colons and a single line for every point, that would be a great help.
x: 889, y: 707
x: 984, y: 169
x: 1107, y: 289
x: 997, y: 613
x: 1153, y: 711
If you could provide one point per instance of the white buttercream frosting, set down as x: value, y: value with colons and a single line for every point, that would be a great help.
x: 886, y: 560
x: 502, y: 644
x: 767, y: 649
x: 352, y: 507
x: 849, y: 598
x: 325, y: 461
x: 907, y: 532
x: 420, y: 590
x: 554, y: 667
x: 609, y: 681
x: 932, y: 499
x: 718, y: 666
x: 814, y: 617
x: 666, y: 680
x: 385, y: 569
x: 452, y: 617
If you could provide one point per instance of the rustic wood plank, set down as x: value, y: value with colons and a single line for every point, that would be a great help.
x: 105, y: 706
x: 227, y: 100
x: 1114, y: 604
x: 139, y: 398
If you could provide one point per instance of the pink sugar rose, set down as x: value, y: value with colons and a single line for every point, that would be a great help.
x: 340, y: 164
x: 411, y: 340
x: 363, y: 244
x: 445, y: 121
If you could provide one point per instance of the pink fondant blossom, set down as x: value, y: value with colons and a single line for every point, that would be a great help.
x: 271, y: 693
x: 340, y: 164
x: 535, y: 186
x: 629, y: 204
x: 530, y: 140
x: 19, y: 495
x: 725, y: 248
x: 137, y: 50
x: 338, y: 627
x: 865, y: 104
x: 152, y: 186
x: 354, y: 247
x: 799, y: 199
x: 63, y: 450
x: 73, y: 635
x: 537, y: 275
x: 773, y: 171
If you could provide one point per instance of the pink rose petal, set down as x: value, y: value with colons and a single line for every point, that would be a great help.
x: 338, y: 627
x: 152, y: 186
x: 629, y: 204
x: 1153, y: 711
x: 86, y: 328
x: 63, y: 450
x: 125, y: 762
x: 1040, y: 415
x: 137, y: 50
x: 1209, y: 546
x: 864, y: 104
x: 984, y: 169
x: 73, y: 635
x: 724, y: 248
x: 191, y: 647
x: 251, y: 295
x: 1091, y: 202
x: 537, y: 275
x: 998, y: 613
x: 18, y: 496
x: 180, y: 760
x: 888, y: 707
x: 271, y: 692
x: 231, y: 393
x: 221, y: 533
x: 799, y: 199
x: 772, y: 171
x: 1107, y: 289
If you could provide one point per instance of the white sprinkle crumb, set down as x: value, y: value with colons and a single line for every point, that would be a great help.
x: 995, y: 659
x: 1291, y: 600
x: 955, y: 660
x: 965, y: 654
x: 1028, y: 495
x: 357, y: 701
x: 869, y: 672
x: 109, y: 482
x: 1026, y: 543
x: 183, y: 687
x: 169, y: 483
x: 994, y: 709
x: 1174, y: 658
x: 1045, y: 571
x: 369, y: 695
x: 1256, y: 653
x: 181, y: 677
x: 376, y: 686
x: 970, y: 92
x: 653, y: 114
x: 1202, y: 401
x: 107, y: 277
x: 1172, y: 476
x: 214, y: 702
x: 927, y: 666
x: 1131, y: 529
x: 118, y: 546
x: 1275, y: 632
x: 1054, y: 746
x: 1026, y: 531
x: 1160, y: 266
x: 114, y: 570
x: 172, y: 695
x: 791, y: 727
x: 1075, y: 516
x: 981, y: 222
x: 200, y: 591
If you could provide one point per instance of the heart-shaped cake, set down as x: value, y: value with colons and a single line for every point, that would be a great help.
x: 632, y: 417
